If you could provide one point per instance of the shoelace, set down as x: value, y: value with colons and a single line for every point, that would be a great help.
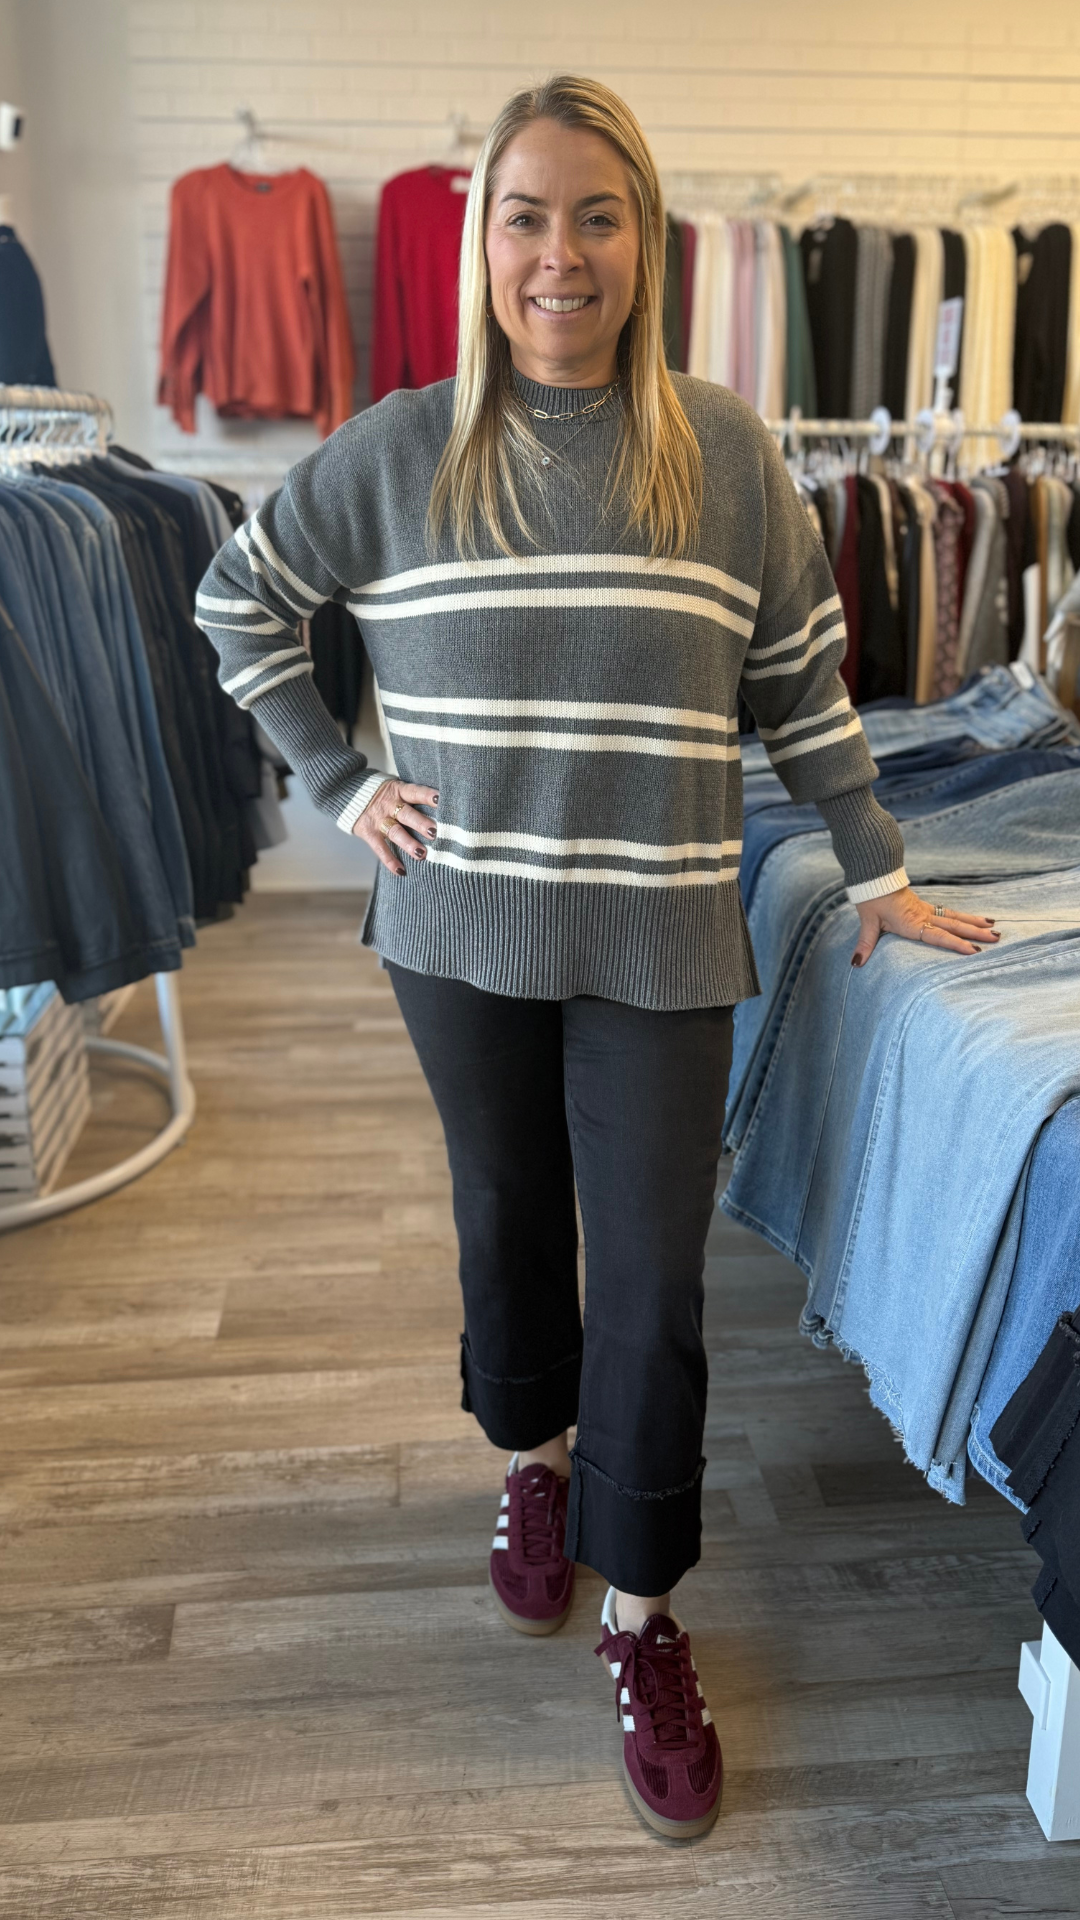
x: 662, y: 1681
x: 537, y: 1505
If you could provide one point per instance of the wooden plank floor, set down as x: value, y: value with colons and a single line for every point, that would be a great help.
x: 249, y: 1661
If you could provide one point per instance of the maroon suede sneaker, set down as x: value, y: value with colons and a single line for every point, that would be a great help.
x: 671, y: 1755
x: 532, y: 1581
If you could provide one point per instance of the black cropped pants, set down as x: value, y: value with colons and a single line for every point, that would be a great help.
x: 536, y: 1096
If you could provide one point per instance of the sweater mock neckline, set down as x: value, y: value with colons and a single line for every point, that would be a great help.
x: 560, y: 400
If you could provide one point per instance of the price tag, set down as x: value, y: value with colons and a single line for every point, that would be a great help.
x: 947, y: 350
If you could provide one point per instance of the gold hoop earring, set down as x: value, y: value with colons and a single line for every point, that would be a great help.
x: 638, y: 307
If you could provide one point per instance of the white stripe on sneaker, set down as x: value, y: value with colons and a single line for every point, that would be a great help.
x: 500, y: 1541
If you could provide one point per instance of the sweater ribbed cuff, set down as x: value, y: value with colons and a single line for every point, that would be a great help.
x: 336, y: 776
x: 868, y: 843
x: 361, y: 799
x: 877, y: 889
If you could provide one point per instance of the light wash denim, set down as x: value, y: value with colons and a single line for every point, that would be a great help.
x: 895, y: 1118
x: 1030, y: 827
x: 1045, y: 1282
x: 907, y: 796
x: 1004, y: 707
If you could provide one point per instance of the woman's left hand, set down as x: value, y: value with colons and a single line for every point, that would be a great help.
x: 914, y: 919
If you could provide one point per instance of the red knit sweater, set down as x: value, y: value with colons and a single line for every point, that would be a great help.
x: 255, y: 313
x: 414, y: 335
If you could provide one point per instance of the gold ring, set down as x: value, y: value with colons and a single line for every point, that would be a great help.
x: 385, y: 824
x: 398, y: 810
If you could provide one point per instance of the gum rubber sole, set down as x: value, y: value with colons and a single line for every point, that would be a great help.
x: 537, y: 1629
x: 669, y: 1829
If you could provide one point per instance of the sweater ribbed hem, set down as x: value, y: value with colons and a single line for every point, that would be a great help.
x: 667, y: 951
x: 877, y: 889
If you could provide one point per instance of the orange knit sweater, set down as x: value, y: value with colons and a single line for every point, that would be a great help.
x: 254, y: 313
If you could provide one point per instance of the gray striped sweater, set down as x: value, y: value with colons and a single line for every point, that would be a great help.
x: 574, y: 707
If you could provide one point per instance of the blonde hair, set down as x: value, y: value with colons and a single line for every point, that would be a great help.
x: 659, y: 460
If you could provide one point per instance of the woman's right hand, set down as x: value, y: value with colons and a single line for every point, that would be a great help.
x: 395, y: 805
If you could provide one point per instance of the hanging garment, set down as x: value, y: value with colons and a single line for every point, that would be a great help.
x: 925, y: 301
x: 925, y: 508
x: 1059, y: 566
x: 830, y: 260
x: 673, y: 296
x: 254, y: 313
x: 770, y: 297
x: 213, y: 766
x: 882, y: 667
x: 1073, y: 528
x: 954, y: 287
x: 1040, y: 353
x: 417, y: 250
x: 699, y: 346
x: 873, y: 278
x: 25, y: 359
x: 745, y: 346
x: 1070, y: 409
x: 1017, y: 540
x: 713, y: 322
x: 898, y: 324
x: 948, y: 532
x: 689, y: 247
x: 989, y: 327
x: 888, y: 535
x: 908, y: 536
x: 800, y: 384
x: 984, y: 616
x: 65, y: 910
x: 847, y: 584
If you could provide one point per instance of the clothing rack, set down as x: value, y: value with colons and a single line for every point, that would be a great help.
x: 59, y: 428
x: 889, y: 198
x: 929, y: 429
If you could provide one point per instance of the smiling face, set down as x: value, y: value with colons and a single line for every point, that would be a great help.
x: 563, y: 245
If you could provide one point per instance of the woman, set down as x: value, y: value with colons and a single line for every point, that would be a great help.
x: 566, y: 563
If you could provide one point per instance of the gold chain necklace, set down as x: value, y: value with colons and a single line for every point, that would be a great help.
x: 584, y: 414
x: 594, y: 406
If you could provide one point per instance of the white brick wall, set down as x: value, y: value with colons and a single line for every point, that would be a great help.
x: 983, y: 88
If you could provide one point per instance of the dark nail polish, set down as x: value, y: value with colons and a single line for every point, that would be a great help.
x: 855, y: 961
x: 434, y: 799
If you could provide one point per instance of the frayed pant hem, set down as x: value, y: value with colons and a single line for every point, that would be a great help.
x: 517, y: 1414
x: 639, y: 1540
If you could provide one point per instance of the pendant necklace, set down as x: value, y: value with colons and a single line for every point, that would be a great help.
x: 585, y: 414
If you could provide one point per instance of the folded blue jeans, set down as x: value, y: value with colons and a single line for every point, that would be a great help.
x: 922, y: 1074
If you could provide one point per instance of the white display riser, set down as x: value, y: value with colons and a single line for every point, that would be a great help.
x: 1050, y: 1684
